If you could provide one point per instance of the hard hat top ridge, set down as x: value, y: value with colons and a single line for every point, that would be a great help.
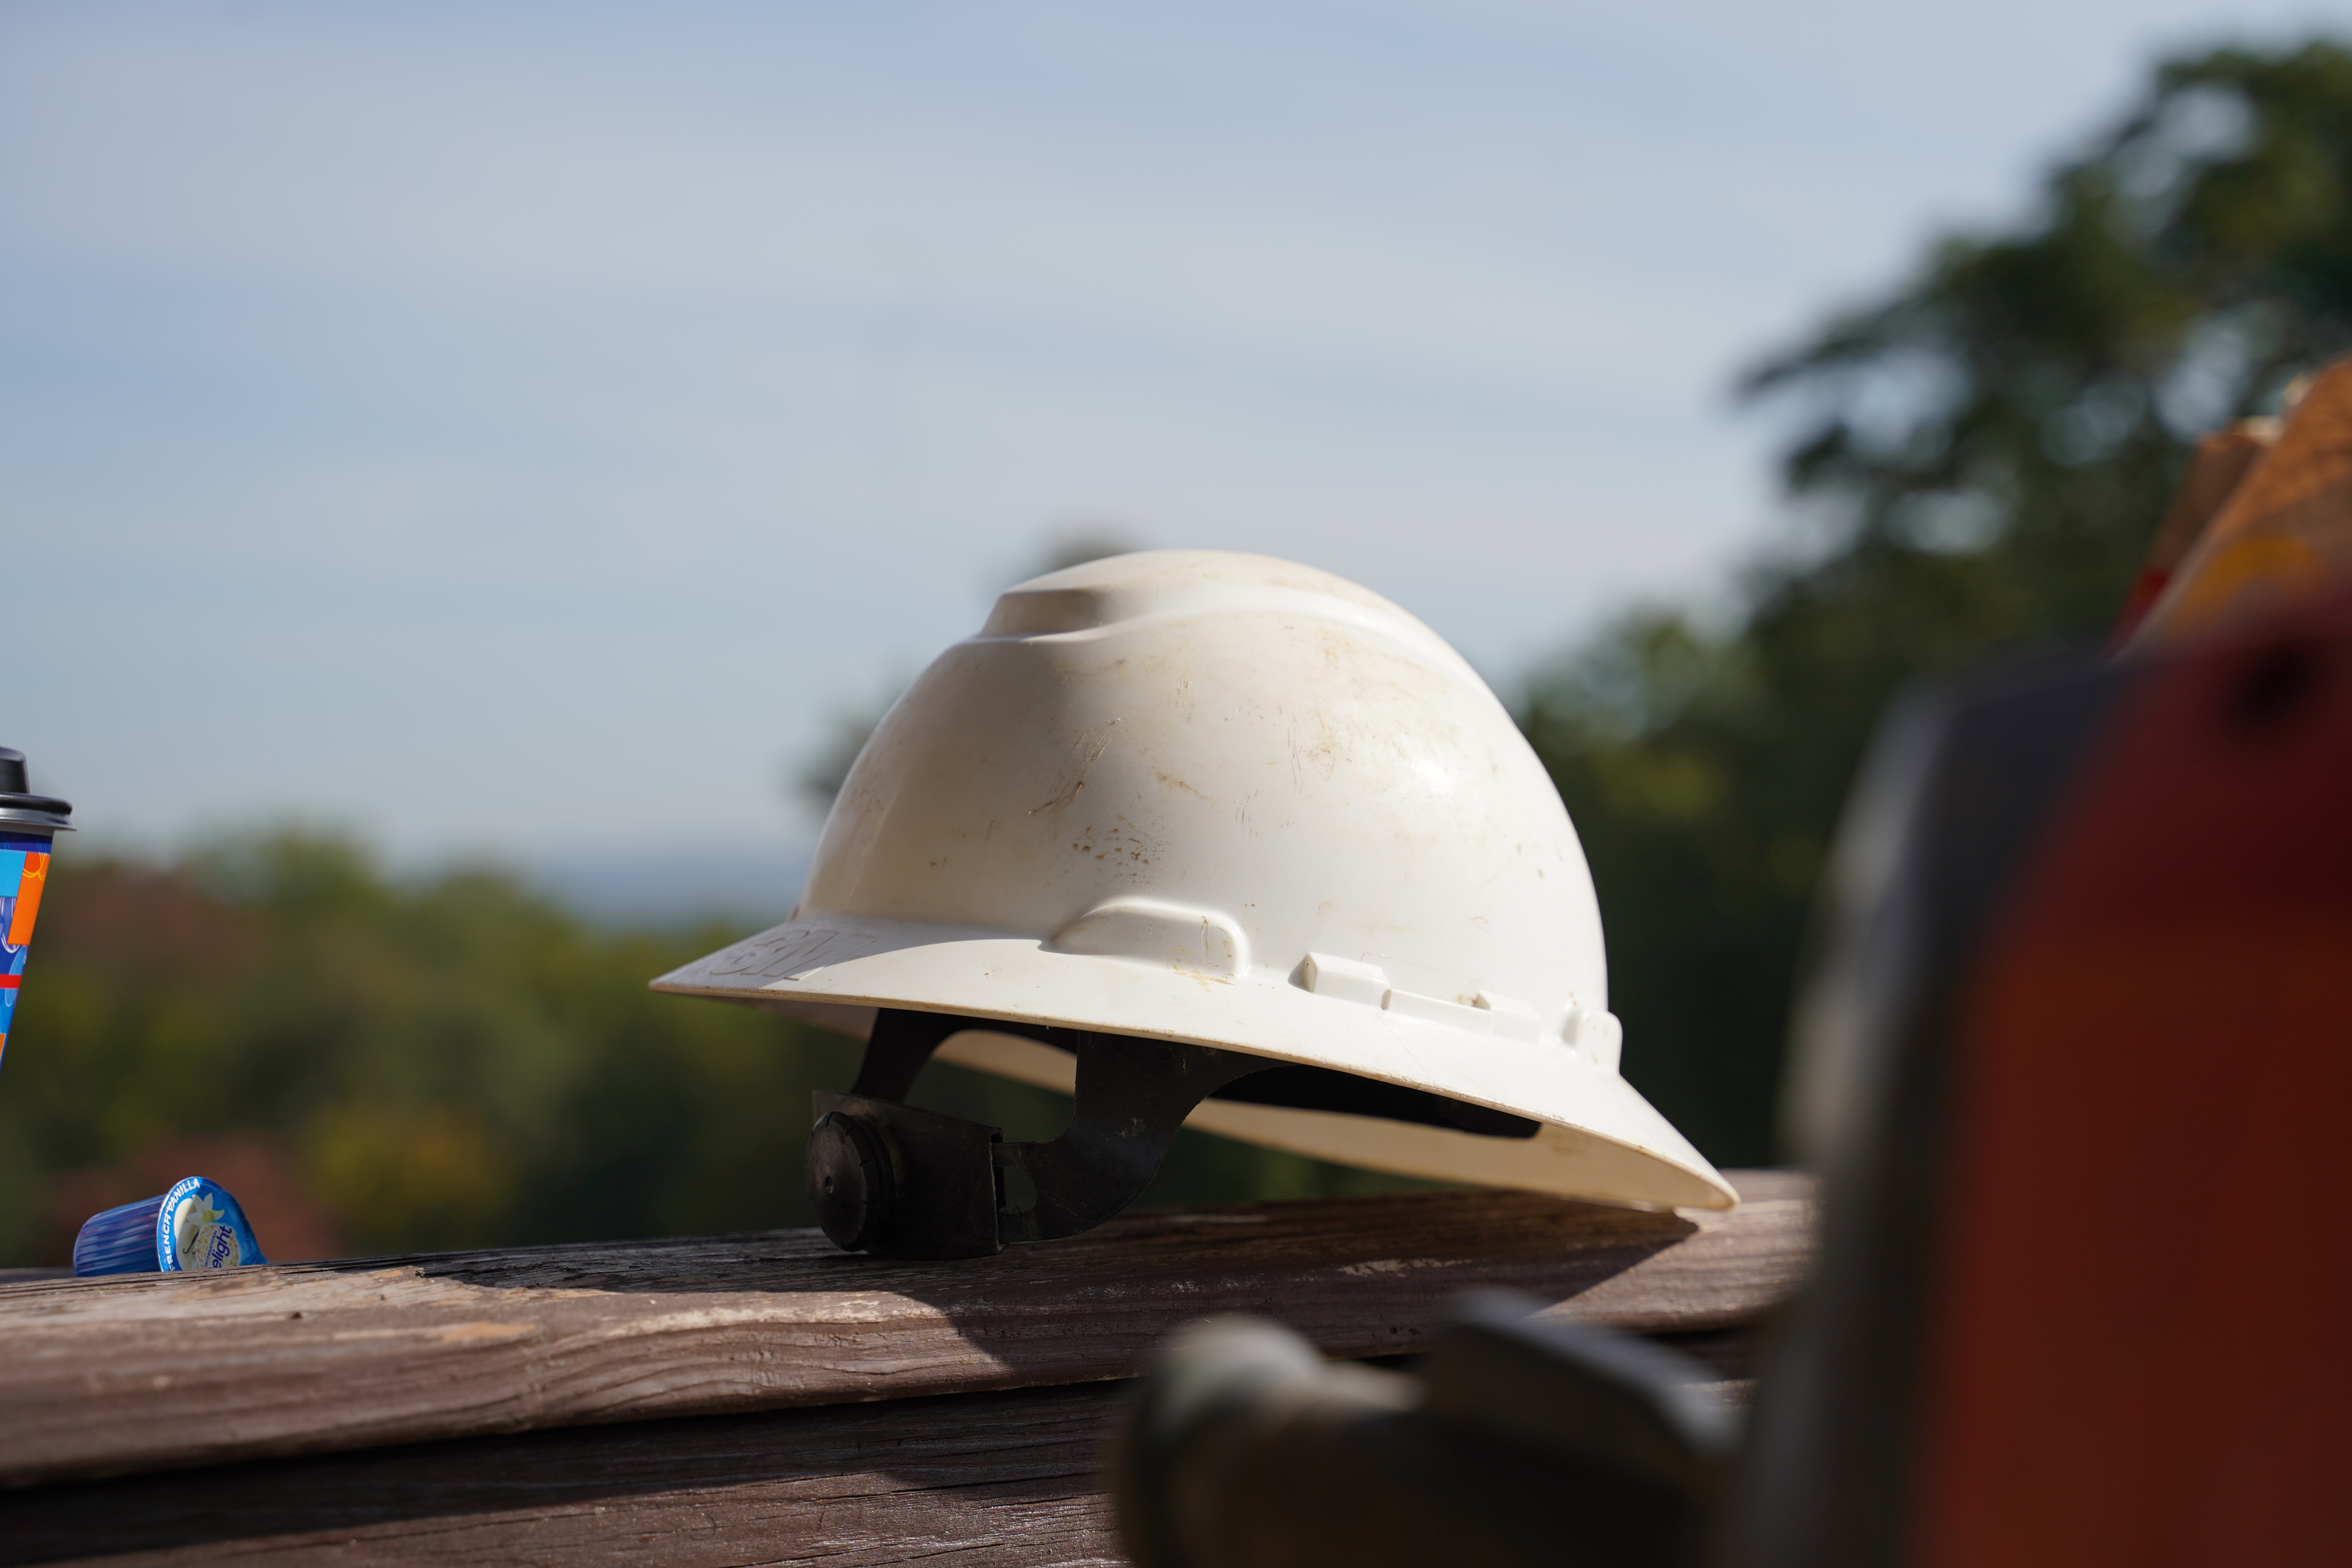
x: 1103, y: 594
x: 1226, y: 801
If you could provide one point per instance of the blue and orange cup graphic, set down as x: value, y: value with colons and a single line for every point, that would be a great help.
x: 29, y: 823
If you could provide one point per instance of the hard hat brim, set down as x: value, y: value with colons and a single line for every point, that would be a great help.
x: 1599, y: 1138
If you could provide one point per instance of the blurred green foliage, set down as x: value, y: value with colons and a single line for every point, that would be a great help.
x: 398, y: 1066
x: 1978, y: 461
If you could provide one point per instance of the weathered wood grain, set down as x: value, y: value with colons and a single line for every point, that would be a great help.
x: 969, y: 1480
x: 116, y: 1376
x: 1009, y: 1478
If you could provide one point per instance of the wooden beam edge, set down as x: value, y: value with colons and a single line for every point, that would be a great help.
x: 165, y: 1372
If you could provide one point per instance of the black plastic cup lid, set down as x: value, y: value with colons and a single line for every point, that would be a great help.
x: 19, y: 806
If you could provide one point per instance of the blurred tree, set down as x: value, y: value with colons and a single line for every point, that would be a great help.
x: 376, y: 1066
x: 1981, y: 457
x: 441, y: 1064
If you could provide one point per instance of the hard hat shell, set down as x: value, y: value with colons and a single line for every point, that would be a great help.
x: 1229, y: 801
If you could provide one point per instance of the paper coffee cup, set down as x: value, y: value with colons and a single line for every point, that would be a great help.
x: 28, y: 822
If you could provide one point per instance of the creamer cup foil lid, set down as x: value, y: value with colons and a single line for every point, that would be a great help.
x: 201, y: 1227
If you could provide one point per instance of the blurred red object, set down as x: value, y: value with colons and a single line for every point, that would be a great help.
x: 2076, y: 1060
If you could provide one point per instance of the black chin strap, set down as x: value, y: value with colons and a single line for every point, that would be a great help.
x: 887, y: 1178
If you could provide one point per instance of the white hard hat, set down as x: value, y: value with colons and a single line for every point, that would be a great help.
x: 1226, y: 801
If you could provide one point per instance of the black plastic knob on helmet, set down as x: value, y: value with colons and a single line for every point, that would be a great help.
x: 851, y: 1182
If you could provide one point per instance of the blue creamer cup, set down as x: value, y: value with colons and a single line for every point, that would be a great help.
x: 196, y: 1226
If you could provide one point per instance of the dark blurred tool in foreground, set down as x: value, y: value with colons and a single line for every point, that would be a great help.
x: 2075, y: 1068
x: 1514, y: 1441
x: 28, y: 823
x: 2075, y: 1062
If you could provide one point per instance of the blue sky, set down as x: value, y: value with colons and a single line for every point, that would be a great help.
x: 515, y: 429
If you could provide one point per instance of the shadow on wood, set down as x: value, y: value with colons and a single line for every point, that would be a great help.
x: 139, y: 1372
x: 993, y: 1478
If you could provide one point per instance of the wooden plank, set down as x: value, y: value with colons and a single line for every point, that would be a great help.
x: 994, y: 1480
x: 1010, y: 1478
x: 144, y: 1372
